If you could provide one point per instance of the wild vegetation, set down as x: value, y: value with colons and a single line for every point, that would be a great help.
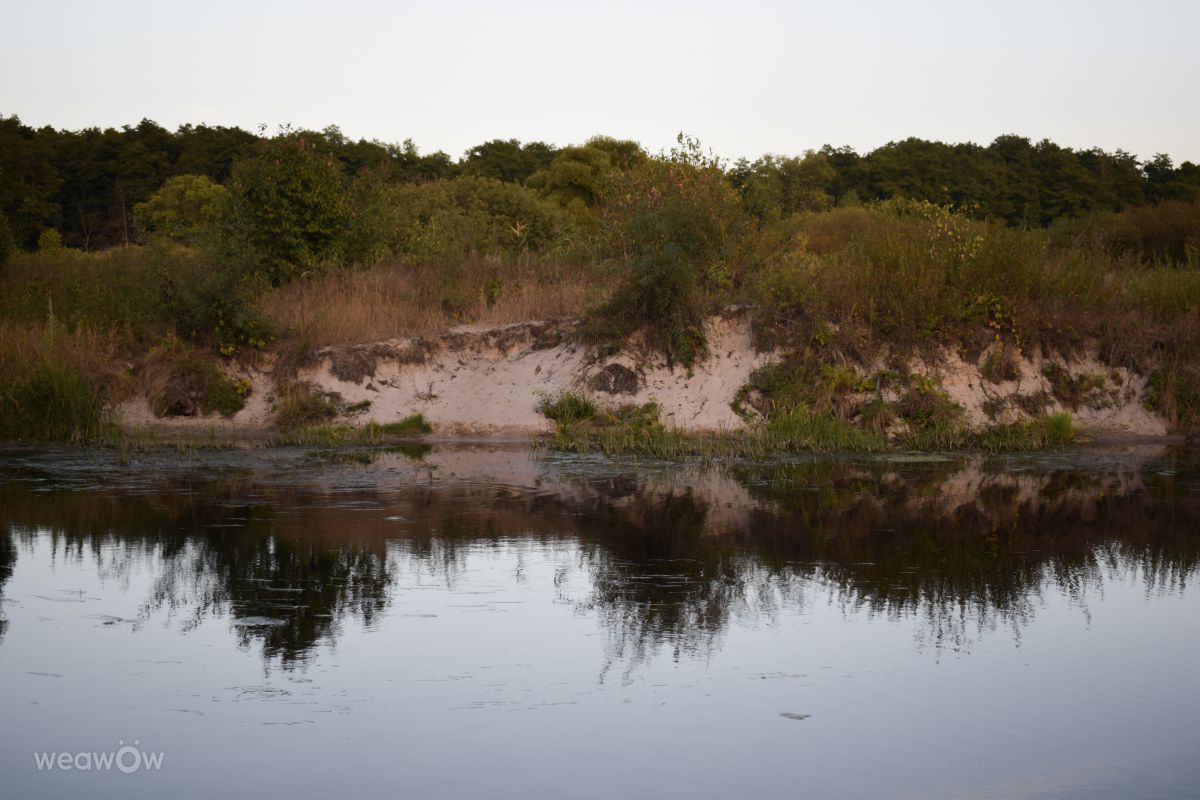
x: 144, y: 260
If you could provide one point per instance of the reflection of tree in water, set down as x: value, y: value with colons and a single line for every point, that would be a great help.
x: 8, y: 557
x: 972, y: 548
x: 658, y: 580
x: 216, y: 554
x: 960, y: 546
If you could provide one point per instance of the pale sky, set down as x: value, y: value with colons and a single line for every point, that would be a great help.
x: 745, y: 77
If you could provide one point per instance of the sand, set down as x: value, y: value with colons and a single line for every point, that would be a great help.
x: 476, y: 381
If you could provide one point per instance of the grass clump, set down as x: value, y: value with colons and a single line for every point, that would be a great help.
x: 56, y: 385
x: 372, y: 434
x: 566, y: 407
x: 1074, y: 391
x: 53, y: 403
x: 639, y: 430
x: 180, y: 382
x: 300, y: 405
x: 1174, y: 392
x: 410, y: 426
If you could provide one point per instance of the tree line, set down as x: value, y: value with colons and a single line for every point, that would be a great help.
x: 87, y: 185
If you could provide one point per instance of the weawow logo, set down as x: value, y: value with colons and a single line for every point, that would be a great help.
x: 127, y: 758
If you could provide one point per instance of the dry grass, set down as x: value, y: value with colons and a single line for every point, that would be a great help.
x: 353, y: 307
x: 55, y: 384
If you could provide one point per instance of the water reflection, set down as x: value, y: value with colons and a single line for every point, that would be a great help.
x: 8, y: 557
x: 288, y: 546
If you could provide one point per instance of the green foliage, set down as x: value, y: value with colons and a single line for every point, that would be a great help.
x: 777, y: 186
x: 288, y: 206
x: 806, y: 379
x: 637, y: 430
x: 799, y: 429
x: 446, y: 220
x: 566, y: 407
x: 661, y: 299
x: 676, y: 224
x: 185, y: 210
x: 299, y: 404
x: 54, y: 384
x: 373, y: 434
x: 144, y: 292
x: 50, y: 242
x: 1074, y: 391
x: 1174, y: 391
x: 179, y: 381
x: 507, y: 159
x: 412, y: 425
x: 578, y: 176
x: 54, y: 402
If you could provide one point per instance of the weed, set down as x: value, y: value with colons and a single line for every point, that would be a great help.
x: 412, y: 425
x: 299, y: 406
x: 1074, y: 391
x: 566, y: 407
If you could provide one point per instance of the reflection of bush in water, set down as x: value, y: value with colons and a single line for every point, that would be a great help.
x: 958, y: 545
x: 8, y: 557
x: 218, y: 556
x: 971, y: 547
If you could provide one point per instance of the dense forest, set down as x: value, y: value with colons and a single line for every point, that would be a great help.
x: 86, y: 184
x: 144, y: 261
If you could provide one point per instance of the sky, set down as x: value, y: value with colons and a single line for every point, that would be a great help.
x: 745, y: 77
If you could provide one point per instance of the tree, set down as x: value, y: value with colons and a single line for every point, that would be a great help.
x: 507, y: 159
x: 288, y: 206
x: 776, y: 186
x: 185, y: 210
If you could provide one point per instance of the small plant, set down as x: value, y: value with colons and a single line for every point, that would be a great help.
x: 1074, y: 391
x: 1000, y: 364
x: 300, y: 404
x: 412, y: 425
x: 179, y: 381
x: 566, y: 407
x: 53, y: 402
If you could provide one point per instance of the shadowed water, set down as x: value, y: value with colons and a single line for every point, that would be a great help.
x: 486, y: 621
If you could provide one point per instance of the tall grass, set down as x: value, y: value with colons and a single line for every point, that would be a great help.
x: 903, y: 279
x: 56, y: 384
x: 388, y: 300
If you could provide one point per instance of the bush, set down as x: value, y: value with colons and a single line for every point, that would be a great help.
x: 566, y: 407
x: 185, y: 210
x: 145, y: 293
x: 179, y: 382
x: 444, y: 221
x: 299, y: 404
x: 676, y: 223
x: 54, y: 402
x: 54, y: 385
x: 288, y: 207
x: 412, y: 425
x: 661, y: 299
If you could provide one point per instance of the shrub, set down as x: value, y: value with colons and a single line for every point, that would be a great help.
x: 184, y: 210
x: 288, y: 206
x: 412, y: 425
x: 53, y: 402
x: 443, y: 221
x: 299, y: 404
x: 676, y: 223
x: 566, y: 407
x: 661, y: 299
x: 178, y: 381
x: 144, y: 292
x: 55, y: 385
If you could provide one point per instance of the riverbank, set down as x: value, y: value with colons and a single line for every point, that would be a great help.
x: 489, y: 381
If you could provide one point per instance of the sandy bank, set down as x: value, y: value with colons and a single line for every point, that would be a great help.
x: 474, y: 381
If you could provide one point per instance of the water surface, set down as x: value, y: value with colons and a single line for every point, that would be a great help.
x: 490, y: 622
